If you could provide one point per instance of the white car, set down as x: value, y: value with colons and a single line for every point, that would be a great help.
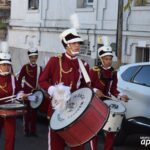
x: 134, y: 81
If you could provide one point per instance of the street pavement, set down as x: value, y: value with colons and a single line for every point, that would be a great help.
x: 40, y: 142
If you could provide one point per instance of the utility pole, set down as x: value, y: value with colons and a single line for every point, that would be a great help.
x: 119, y: 33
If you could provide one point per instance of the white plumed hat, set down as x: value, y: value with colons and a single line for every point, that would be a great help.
x: 5, y: 57
x: 70, y: 36
x: 106, y: 49
x: 32, y: 51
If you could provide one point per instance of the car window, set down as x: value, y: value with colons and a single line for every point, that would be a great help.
x: 129, y: 73
x: 143, y: 76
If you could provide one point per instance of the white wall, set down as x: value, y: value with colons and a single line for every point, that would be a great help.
x: 45, y: 25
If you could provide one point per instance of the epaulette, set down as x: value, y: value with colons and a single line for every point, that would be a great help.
x: 96, y: 68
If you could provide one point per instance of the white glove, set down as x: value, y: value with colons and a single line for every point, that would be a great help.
x: 51, y: 90
x: 20, y: 95
x: 61, y: 95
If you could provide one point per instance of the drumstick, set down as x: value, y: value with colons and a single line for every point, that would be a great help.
x: 112, y: 98
x: 108, y: 97
x: 8, y: 97
x: 13, y: 98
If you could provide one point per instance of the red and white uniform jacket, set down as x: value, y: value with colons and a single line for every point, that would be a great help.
x: 104, y: 80
x: 8, y: 87
x: 30, y: 75
x: 64, y: 69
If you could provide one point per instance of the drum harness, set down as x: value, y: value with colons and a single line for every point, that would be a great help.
x: 28, y: 84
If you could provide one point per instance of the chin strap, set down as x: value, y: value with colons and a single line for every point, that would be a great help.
x: 4, y: 73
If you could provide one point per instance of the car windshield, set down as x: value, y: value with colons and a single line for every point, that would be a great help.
x: 143, y: 76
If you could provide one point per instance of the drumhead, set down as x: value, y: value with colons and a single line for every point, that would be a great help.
x: 115, y: 106
x: 39, y: 96
x: 12, y: 106
x: 75, y: 107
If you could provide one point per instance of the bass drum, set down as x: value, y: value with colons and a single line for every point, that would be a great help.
x: 117, y: 112
x: 84, y: 116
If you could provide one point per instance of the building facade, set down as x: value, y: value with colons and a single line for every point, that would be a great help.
x: 4, y: 18
x: 41, y: 21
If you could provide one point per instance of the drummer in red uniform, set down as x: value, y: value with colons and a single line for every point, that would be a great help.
x: 64, y: 69
x: 104, y: 79
x: 8, y: 87
x: 29, y: 75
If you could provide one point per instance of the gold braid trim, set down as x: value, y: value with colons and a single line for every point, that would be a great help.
x: 98, y: 70
x: 29, y: 71
x: 61, y: 69
x: 3, y: 88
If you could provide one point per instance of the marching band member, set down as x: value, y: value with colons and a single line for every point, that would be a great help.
x: 29, y: 75
x: 8, y: 87
x: 105, y: 76
x: 64, y: 69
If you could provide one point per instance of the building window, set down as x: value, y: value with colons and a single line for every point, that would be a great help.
x: 141, y: 2
x: 142, y: 54
x: 89, y: 2
x: 84, y: 3
x: 33, y: 4
x: 85, y: 48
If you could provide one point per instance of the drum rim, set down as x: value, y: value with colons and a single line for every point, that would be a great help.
x: 12, y: 115
x: 18, y: 108
x: 125, y: 109
x: 78, y: 116
x: 42, y: 100
x: 86, y: 140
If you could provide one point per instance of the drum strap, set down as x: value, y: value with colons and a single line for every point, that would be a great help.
x: 13, y: 84
x: 28, y: 84
x: 84, y: 72
x: 38, y: 74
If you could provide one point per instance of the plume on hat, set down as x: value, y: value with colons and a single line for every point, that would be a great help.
x: 75, y: 21
x: 4, y: 47
x: 106, y: 41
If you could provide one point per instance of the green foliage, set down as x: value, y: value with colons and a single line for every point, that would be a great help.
x: 3, y: 25
x: 128, y: 5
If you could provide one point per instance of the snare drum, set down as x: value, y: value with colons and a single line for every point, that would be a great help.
x: 117, y: 111
x: 12, y: 110
x: 84, y: 116
x: 36, y: 99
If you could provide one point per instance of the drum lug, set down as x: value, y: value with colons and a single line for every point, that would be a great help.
x: 113, y: 115
x: 118, y: 128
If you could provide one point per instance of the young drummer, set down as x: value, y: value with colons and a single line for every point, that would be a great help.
x: 104, y: 79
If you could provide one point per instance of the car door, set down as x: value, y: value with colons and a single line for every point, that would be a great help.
x: 140, y: 83
x: 134, y: 82
x: 125, y: 84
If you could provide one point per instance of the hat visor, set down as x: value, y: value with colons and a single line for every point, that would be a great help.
x: 75, y: 40
x: 106, y: 54
x: 33, y: 54
x: 5, y: 62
